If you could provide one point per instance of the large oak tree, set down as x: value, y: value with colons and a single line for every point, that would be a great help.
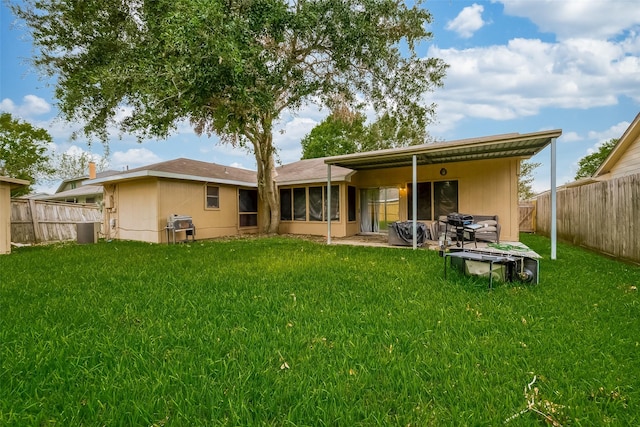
x: 231, y: 67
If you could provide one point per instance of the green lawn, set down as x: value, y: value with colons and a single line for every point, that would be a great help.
x: 282, y: 331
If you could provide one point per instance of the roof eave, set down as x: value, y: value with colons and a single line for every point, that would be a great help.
x: 170, y: 175
x: 342, y: 178
x: 400, y: 157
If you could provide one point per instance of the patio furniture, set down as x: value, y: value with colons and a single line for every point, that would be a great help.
x: 490, y: 230
x: 401, y: 233
x: 487, y: 228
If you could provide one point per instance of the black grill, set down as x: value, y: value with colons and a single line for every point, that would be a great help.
x: 459, y: 220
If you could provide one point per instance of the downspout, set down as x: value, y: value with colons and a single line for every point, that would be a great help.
x: 414, y: 202
x: 328, y: 204
x: 553, y: 199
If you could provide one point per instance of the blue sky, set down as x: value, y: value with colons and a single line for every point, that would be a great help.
x: 515, y: 66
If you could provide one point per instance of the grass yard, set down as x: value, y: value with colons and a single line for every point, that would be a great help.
x: 282, y: 331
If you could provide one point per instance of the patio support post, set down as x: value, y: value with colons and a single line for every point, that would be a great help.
x: 553, y: 199
x: 414, y: 201
x: 328, y: 204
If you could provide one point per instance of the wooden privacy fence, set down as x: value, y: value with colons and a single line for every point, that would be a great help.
x: 604, y: 216
x: 39, y: 221
x: 527, y: 223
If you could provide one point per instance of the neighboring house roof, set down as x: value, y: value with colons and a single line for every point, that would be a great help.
x: 84, y: 190
x: 310, y: 171
x: 186, y: 169
x: 81, y: 179
x: 629, y: 139
x: 489, y: 147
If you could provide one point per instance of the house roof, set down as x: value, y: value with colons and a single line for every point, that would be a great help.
x: 186, y: 169
x: 83, y: 190
x: 628, y: 137
x: 310, y: 171
x: 490, y: 147
x: 84, y: 178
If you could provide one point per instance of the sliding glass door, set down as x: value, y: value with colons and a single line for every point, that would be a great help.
x: 378, y: 208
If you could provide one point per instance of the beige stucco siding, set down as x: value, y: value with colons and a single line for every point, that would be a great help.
x: 188, y: 198
x: 136, y: 208
x: 5, y: 218
x: 491, y: 188
x: 140, y: 209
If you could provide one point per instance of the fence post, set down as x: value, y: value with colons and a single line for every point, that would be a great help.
x: 34, y: 220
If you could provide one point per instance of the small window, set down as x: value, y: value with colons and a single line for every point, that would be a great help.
x: 213, y: 197
x: 90, y: 200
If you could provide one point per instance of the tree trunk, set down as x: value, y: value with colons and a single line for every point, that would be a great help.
x: 268, y: 197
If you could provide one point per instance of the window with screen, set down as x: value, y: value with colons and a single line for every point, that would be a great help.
x: 351, y: 203
x: 443, y: 199
x: 248, y: 207
x: 212, y: 197
x: 424, y: 200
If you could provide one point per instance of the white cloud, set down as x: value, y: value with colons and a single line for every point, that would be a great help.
x: 578, y: 18
x: 31, y: 106
x: 570, y: 137
x: 516, y: 80
x: 288, y: 138
x: 614, y: 131
x: 237, y: 165
x: 7, y: 106
x: 133, y: 157
x: 468, y: 21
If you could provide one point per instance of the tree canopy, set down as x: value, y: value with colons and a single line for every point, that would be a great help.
x: 335, y: 135
x: 589, y: 164
x: 231, y: 68
x: 73, y: 165
x: 345, y: 132
x: 23, y: 149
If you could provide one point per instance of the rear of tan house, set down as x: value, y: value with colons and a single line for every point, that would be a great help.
x: 368, y: 190
x: 477, y: 176
x: 222, y: 201
x: 485, y: 187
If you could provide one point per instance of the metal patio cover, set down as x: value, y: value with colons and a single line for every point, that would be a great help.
x: 517, y: 145
x: 490, y: 147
